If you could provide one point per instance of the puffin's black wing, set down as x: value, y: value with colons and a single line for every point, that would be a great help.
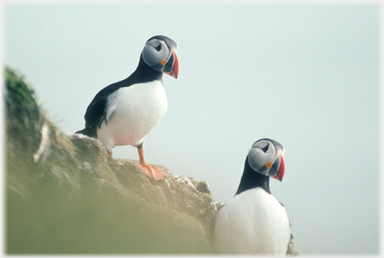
x: 96, y: 111
x: 291, y: 248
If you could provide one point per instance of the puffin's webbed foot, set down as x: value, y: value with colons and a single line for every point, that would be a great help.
x: 152, y: 172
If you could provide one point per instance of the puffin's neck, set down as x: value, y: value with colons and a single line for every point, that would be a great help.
x: 144, y: 73
x: 252, y: 179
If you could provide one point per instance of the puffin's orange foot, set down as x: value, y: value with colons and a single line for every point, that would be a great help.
x: 152, y: 172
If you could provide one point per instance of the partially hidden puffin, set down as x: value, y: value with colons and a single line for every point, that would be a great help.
x: 124, y: 112
x: 253, y: 221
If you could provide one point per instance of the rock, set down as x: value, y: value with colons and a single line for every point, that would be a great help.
x: 65, y: 195
x: 291, y: 249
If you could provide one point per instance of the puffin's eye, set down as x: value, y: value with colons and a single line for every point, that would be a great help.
x: 265, y: 148
x: 158, y: 48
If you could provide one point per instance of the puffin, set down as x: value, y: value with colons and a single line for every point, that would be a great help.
x: 254, y: 221
x: 124, y: 112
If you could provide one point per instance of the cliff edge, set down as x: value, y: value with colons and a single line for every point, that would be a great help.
x: 64, y: 195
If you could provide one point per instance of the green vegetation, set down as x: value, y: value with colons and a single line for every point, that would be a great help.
x: 64, y: 195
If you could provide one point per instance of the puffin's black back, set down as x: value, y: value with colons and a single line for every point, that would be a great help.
x: 96, y: 111
x: 252, y: 179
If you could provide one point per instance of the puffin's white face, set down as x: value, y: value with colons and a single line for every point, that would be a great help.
x: 266, y: 157
x: 158, y: 55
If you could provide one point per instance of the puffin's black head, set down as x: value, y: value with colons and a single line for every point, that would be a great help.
x: 160, y: 53
x: 266, y: 157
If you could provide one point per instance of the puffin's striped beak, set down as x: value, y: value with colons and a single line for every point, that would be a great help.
x: 172, y: 66
x: 280, y: 168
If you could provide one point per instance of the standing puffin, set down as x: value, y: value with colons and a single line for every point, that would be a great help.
x: 124, y: 112
x: 253, y: 221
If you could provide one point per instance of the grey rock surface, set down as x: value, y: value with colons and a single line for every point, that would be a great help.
x: 64, y: 195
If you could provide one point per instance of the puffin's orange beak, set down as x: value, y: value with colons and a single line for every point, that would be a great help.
x: 172, y: 66
x: 280, y: 171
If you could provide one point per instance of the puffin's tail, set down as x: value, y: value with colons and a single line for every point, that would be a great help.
x: 88, y: 132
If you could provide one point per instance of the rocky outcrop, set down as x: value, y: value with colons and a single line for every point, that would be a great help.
x: 64, y: 195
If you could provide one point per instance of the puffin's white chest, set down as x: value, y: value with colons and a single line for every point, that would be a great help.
x: 252, y: 222
x: 132, y: 112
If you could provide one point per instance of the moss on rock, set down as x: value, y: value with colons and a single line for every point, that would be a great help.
x: 66, y: 196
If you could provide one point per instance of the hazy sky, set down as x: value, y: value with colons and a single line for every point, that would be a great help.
x: 304, y: 75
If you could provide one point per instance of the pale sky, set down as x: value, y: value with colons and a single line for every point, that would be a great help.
x: 305, y: 75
